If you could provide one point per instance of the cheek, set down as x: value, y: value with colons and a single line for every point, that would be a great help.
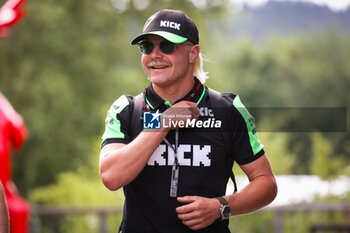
x: 182, y: 62
x: 144, y: 62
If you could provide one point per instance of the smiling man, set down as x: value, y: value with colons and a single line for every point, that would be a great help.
x: 175, y: 176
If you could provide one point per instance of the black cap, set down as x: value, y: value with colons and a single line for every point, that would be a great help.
x: 172, y: 25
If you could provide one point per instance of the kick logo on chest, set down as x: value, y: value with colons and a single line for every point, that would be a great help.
x: 188, y: 155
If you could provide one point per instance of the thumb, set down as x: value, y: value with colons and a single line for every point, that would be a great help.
x: 186, y: 199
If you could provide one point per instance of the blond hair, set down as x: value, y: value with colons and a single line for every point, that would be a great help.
x: 198, y: 70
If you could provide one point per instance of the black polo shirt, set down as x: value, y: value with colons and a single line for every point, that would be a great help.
x: 202, y: 157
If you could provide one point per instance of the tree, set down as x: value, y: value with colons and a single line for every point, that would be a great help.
x: 295, y: 73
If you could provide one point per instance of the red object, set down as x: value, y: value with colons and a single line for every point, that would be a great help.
x: 10, y: 13
x: 13, y: 134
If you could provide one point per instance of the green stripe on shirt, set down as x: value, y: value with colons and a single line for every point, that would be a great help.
x: 113, y: 125
x: 250, y: 123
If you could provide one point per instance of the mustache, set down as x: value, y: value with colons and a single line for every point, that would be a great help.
x: 158, y: 63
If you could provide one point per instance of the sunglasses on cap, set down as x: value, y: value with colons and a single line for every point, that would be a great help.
x: 166, y: 47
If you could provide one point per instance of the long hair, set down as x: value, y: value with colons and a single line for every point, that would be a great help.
x: 198, y: 70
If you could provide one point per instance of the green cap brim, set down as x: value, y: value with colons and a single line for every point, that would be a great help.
x: 166, y: 35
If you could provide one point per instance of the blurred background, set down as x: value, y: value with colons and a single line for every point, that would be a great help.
x: 67, y: 61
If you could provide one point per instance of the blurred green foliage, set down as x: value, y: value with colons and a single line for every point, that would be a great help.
x: 78, y: 188
x: 296, y: 72
x: 323, y: 164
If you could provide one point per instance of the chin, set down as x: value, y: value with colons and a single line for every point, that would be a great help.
x: 158, y: 80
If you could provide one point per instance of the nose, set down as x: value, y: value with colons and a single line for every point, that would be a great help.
x: 156, y: 51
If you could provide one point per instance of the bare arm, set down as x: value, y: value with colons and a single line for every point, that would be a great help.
x: 4, y: 218
x: 121, y: 163
x: 262, y: 189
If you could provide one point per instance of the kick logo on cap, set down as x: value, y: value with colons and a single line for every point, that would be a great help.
x: 172, y: 25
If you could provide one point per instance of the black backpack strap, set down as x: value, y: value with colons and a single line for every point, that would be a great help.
x: 136, y: 115
x: 220, y: 110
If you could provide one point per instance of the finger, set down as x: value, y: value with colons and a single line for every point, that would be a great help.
x: 185, y: 103
x: 195, y: 112
x: 186, y: 217
x: 195, y: 115
x: 186, y: 208
x: 191, y: 223
x: 187, y: 199
x: 191, y: 104
x: 195, y: 224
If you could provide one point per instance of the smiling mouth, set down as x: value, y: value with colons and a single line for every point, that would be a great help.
x: 158, y: 65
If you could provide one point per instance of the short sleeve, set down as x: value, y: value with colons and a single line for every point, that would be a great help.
x: 117, y: 122
x: 246, y: 144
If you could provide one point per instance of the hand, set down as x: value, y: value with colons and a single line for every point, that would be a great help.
x: 200, y: 212
x: 177, y: 116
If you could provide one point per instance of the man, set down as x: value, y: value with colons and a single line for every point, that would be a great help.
x: 175, y: 178
x: 4, y: 215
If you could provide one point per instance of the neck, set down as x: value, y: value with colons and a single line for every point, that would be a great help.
x: 174, y: 92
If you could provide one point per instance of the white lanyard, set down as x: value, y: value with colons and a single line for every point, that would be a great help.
x: 175, y: 169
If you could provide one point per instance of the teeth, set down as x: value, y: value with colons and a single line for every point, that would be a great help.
x: 157, y: 65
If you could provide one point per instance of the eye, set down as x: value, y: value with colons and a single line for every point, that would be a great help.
x: 146, y: 47
x: 167, y: 47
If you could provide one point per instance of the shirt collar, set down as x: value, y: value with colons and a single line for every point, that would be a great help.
x: 154, y: 101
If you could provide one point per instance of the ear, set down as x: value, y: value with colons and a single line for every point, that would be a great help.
x: 194, y: 53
